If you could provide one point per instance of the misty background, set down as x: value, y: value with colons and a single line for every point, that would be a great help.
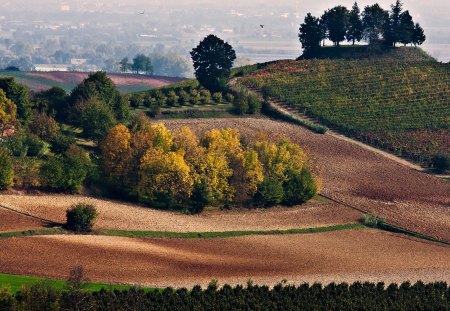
x: 94, y: 35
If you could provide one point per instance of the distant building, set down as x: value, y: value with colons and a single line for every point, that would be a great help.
x: 78, y: 61
x: 65, y: 8
x: 50, y: 67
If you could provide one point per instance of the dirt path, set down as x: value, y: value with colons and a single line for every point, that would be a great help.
x: 117, y: 215
x: 358, y: 176
x: 349, y: 255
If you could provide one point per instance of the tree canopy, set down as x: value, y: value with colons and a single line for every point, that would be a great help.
x: 213, y: 59
x: 311, y: 33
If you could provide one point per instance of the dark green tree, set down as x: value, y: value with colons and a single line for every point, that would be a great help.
x: 125, y: 65
x: 311, y: 34
x: 142, y: 63
x: 336, y: 22
x: 393, y: 24
x: 96, y: 118
x: 19, y: 94
x: 374, y: 20
x: 406, y: 31
x: 418, y: 35
x: 6, y: 169
x: 355, y: 25
x: 270, y: 192
x: 299, y: 187
x: 98, y: 85
x: 213, y: 59
x: 54, y: 101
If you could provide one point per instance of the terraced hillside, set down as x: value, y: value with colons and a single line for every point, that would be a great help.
x: 401, y: 106
x: 126, y: 83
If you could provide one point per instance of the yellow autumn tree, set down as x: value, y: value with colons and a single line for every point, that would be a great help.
x: 7, y: 113
x: 278, y: 158
x: 164, y: 177
x: 116, y: 153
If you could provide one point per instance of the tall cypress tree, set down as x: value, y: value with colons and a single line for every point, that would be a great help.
x: 355, y: 25
x: 406, y: 28
x: 311, y: 34
x: 418, y: 35
x: 393, y: 24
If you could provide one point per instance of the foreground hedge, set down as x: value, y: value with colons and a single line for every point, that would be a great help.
x: 358, y: 296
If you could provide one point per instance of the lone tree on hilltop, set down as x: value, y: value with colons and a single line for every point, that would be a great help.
x: 213, y: 59
x: 311, y: 34
x: 355, y: 25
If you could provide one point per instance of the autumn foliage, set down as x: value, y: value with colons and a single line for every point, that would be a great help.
x: 180, y: 169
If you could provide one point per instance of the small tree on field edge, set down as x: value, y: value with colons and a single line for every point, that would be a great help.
x: 81, y: 218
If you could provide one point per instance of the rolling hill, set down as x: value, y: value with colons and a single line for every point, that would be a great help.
x: 399, y: 105
x: 126, y: 83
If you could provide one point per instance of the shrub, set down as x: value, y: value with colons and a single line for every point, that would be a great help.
x: 39, y: 296
x: 229, y: 97
x: 61, y: 142
x: 26, y: 172
x: 441, y: 163
x: 205, y: 97
x: 372, y: 220
x: 63, y: 173
x: 217, y: 97
x: 81, y: 218
x: 254, y: 104
x: 35, y: 146
x: 7, y: 300
x: 6, y: 170
x: 240, y: 104
x: 44, y: 126
x: 270, y: 192
x: 184, y: 98
x: 299, y: 187
x: 195, y: 97
x: 135, y: 100
x: 172, y: 98
x: 96, y: 118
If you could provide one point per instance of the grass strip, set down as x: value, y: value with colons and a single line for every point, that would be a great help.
x: 395, y: 229
x: 44, y: 231
x: 224, y: 234
x: 181, y: 235
x: 14, y: 283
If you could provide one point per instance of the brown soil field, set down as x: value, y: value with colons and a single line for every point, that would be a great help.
x: 116, y: 215
x: 118, y: 79
x: 359, y: 177
x: 350, y: 255
x: 10, y: 222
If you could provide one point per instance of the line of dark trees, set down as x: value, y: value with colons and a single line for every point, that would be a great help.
x: 373, y: 24
x: 358, y: 296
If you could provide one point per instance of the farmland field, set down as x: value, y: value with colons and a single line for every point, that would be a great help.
x: 126, y: 83
x: 350, y: 174
x: 400, y: 106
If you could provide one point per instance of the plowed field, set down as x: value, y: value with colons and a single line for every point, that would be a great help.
x: 348, y: 255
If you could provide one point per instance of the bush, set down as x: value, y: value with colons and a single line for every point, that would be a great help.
x: 172, y: 98
x: 184, y: 98
x: 441, y: 163
x: 217, y: 97
x: 254, y: 105
x: 44, y: 126
x: 240, y: 104
x: 39, y: 296
x: 270, y: 192
x: 61, y: 143
x: 81, y: 218
x: 64, y: 173
x: 229, y: 97
x: 205, y: 97
x: 299, y: 187
x: 372, y: 220
x: 135, y: 100
x: 195, y: 97
x: 26, y: 173
x: 6, y: 170
x: 7, y: 300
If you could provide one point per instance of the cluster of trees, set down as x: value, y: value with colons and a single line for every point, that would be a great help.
x: 180, y: 169
x: 356, y: 296
x: 374, y: 24
x: 169, y: 64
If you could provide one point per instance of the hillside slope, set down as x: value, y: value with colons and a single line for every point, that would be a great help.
x: 126, y: 83
x: 401, y: 106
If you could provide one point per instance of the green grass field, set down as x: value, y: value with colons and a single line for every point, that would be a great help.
x: 14, y: 283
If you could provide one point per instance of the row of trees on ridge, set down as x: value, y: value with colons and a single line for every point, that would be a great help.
x: 373, y: 25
